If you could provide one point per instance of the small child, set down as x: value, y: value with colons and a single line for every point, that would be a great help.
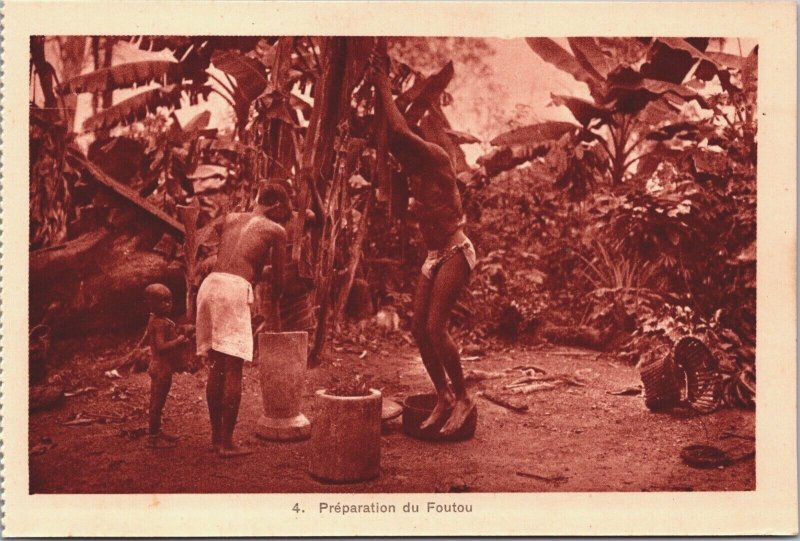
x: 164, y: 339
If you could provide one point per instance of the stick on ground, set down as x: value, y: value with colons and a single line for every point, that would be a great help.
x: 553, y: 479
x: 500, y: 401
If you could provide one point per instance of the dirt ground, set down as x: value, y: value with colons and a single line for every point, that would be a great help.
x: 572, y: 437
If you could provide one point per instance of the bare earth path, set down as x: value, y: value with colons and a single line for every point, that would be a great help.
x: 572, y: 438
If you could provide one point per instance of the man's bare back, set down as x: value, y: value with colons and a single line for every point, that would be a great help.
x: 247, y: 240
x: 223, y: 314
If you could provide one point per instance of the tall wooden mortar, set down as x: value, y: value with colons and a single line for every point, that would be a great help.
x: 345, y: 442
x: 282, y: 361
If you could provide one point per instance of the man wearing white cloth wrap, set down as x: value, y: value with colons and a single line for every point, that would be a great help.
x: 224, y: 329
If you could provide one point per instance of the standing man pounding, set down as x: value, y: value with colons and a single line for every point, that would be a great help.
x: 451, y: 255
x: 224, y: 328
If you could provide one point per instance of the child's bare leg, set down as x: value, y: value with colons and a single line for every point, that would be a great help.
x: 214, y: 397
x: 429, y: 359
x: 231, y: 398
x: 159, y: 389
x: 450, y: 280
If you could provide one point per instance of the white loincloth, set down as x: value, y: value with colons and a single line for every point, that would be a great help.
x: 223, y: 316
x: 436, y: 258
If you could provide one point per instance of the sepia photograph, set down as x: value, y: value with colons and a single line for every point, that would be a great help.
x: 392, y: 264
x: 398, y: 268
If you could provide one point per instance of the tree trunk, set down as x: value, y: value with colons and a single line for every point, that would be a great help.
x: 381, y: 134
x: 72, y: 53
x: 45, y: 72
x: 108, y: 56
x: 189, y: 215
x: 356, y: 250
x: 318, y: 142
x: 108, y: 95
x: 343, y: 62
x: 325, y: 267
x: 96, y: 65
x: 95, y: 283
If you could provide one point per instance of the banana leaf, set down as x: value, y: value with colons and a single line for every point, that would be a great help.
x: 589, y: 54
x: 552, y: 53
x: 533, y: 134
x: 505, y: 158
x: 672, y: 59
x: 249, y: 73
x: 281, y: 59
x: 750, y: 71
x: 135, y: 108
x: 630, y: 92
x: 728, y: 60
x: 462, y: 138
x: 584, y: 111
x: 404, y: 100
x: 159, y: 43
x: 658, y: 112
x: 671, y: 130
x: 434, y: 128
x: 683, y: 45
x: 132, y: 74
x: 198, y: 122
x: 431, y: 90
x: 277, y: 108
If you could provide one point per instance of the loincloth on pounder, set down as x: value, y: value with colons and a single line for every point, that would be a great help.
x: 437, y: 258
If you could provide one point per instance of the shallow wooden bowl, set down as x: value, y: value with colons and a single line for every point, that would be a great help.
x: 417, y: 408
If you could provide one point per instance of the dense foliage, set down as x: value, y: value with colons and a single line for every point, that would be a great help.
x: 632, y: 226
x: 641, y: 254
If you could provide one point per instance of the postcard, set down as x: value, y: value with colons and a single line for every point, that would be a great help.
x: 398, y: 268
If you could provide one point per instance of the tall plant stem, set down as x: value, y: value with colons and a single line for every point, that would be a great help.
x: 325, y: 267
x: 356, y: 249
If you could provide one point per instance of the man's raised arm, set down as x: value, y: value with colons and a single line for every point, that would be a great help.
x: 413, y: 152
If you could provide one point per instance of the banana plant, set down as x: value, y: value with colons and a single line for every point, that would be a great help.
x: 249, y: 73
x: 636, y: 85
x: 245, y: 63
x: 185, y: 79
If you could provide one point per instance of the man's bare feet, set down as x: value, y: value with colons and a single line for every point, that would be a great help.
x: 463, y: 407
x: 168, y: 437
x: 443, y: 404
x: 215, y: 448
x: 230, y: 452
x: 159, y: 441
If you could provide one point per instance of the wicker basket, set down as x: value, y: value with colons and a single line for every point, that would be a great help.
x: 662, y: 383
x: 703, y: 380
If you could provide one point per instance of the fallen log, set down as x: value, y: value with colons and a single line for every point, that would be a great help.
x: 45, y: 397
x: 55, y: 260
x: 129, y: 194
x: 95, y: 283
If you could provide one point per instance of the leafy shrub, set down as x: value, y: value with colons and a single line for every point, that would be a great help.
x: 355, y: 386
